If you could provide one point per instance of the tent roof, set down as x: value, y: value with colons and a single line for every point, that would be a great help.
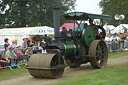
x: 27, y: 31
x: 68, y: 26
x: 120, y: 28
x: 111, y: 27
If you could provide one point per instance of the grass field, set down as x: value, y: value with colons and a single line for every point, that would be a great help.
x: 7, y: 73
x: 116, y: 75
x: 117, y: 54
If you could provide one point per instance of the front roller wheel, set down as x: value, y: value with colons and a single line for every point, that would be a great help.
x: 98, y: 53
x: 45, y: 65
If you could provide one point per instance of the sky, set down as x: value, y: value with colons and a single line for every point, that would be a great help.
x: 89, y: 6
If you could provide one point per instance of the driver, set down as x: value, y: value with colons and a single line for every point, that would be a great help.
x: 95, y: 28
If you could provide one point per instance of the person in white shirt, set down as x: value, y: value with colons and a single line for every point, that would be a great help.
x: 114, y: 43
x: 13, y: 44
x: 10, y: 55
x: 108, y: 40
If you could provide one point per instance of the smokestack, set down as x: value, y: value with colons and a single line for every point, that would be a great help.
x: 56, y: 19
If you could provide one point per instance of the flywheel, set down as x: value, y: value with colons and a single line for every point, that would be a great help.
x: 45, y: 65
x: 98, y: 54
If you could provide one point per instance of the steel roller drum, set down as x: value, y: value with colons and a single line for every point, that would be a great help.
x: 44, y: 63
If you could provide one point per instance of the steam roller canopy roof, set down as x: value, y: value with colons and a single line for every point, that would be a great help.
x: 85, y: 16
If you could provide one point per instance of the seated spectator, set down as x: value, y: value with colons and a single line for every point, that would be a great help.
x: 13, y: 44
x: 10, y: 55
x: 20, y: 54
x: 28, y: 53
x: 3, y: 61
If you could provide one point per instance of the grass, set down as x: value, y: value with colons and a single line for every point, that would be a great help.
x: 117, y: 54
x: 116, y: 75
x: 7, y: 73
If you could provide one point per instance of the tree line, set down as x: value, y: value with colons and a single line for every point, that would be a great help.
x: 113, y: 7
x: 27, y: 13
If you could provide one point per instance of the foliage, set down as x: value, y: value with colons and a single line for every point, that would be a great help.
x: 22, y: 13
x: 113, y: 7
x: 115, y: 75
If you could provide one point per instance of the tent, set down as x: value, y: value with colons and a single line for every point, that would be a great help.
x: 20, y: 33
x: 109, y: 28
x: 68, y: 26
x: 121, y: 28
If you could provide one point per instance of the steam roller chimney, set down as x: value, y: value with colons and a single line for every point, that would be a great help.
x: 56, y: 19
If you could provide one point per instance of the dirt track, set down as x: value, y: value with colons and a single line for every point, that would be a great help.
x: 69, y: 73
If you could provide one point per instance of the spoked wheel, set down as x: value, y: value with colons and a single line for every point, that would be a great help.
x: 45, y: 65
x: 73, y: 63
x: 54, y: 63
x: 98, y: 53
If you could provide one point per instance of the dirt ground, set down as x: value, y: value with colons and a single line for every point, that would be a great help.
x: 69, y: 73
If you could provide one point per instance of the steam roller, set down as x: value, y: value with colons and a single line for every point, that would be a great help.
x: 80, y: 45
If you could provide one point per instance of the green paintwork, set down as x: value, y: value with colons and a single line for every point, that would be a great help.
x: 68, y: 36
x: 85, y: 16
x: 89, y: 35
x: 71, y: 48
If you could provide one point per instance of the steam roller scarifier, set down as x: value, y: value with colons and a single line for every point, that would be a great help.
x: 83, y: 44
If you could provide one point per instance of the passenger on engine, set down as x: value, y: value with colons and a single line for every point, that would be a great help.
x: 64, y: 33
x: 85, y: 25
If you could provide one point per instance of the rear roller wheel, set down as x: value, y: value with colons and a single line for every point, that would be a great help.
x: 45, y: 65
x: 98, y: 53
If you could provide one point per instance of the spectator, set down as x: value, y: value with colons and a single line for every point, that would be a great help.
x: 38, y: 44
x: 10, y: 55
x: 13, y: 44
x: 28, y: 53
x: 122, y: 38
x: 3, y: 61
x: 20, y: 54
x: 24, y: 44
x: 118, y: 40
x: 6, y: 44
x: 126, y: 44
x: 114, y: 43
x: 30, y: 42
x: 108, y: 40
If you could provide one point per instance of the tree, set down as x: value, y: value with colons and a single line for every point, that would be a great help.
x: 113, y: 7
x: 23, y: 13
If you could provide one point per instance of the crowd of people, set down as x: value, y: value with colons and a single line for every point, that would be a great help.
x: 116, y: 42
x: 16, y: 54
